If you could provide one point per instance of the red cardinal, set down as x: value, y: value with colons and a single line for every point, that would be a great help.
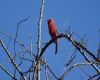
x: 53, y: 32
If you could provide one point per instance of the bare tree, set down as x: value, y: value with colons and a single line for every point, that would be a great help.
x: 37, y: 62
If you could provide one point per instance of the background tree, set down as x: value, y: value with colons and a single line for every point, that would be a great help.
x: 26, y: 53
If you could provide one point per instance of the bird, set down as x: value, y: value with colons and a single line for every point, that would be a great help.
x: 53, y: 32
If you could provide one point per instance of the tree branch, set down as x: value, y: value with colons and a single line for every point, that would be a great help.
x: 74, y: 42
x: 39, y: 39
x: 77, y: 45
x: 7, y: 72
x: 21, y: 44
x: 11, y: 59
x: 73, y: 66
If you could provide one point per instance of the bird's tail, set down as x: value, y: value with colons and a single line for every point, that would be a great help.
x: 56, y: 46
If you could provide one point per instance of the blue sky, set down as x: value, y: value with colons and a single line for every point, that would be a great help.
x: 82, y: 15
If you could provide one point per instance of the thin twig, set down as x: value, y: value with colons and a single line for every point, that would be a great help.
x: 47, y: 67
x: 94, y: 76
x: 84, y: 71
x: 21, y: 44
x: 73, y: 66
x: 16, y: 35
x: 71, y: 58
